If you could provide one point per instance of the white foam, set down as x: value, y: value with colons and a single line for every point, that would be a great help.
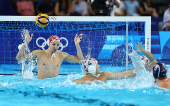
x: 4, y: 84
x: 29, y: 65
x: 144, y: 79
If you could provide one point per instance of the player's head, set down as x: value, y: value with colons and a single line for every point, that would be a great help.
x: 145, y: 60
x: 91, y: 66
x: 159, y: 71
x: 54, y: 43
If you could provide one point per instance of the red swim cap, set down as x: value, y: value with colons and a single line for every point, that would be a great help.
x: 54, y: 37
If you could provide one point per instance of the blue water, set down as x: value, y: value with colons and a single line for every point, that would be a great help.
x: 140, y: 91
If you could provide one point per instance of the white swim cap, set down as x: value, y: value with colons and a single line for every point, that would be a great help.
x: 90, y: 65
x: 144, y: 59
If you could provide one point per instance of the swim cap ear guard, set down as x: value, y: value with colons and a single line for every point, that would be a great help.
x: 92, y: 69
x: 90, y: 65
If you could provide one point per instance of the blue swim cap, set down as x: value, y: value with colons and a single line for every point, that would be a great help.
x: 159, y: 70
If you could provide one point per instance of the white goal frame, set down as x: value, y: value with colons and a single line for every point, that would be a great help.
x: 146, y: 19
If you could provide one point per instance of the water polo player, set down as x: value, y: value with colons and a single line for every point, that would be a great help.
x: 159, y: 74
x: 49, y: 60
x: 92, y: 69
x: 158, y: 69
x: 148, y: 60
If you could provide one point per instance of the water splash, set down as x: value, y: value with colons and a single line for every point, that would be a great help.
x: 143, y: 77
x: 27, y: 65
x: 4, y: 84
x: 90, y: 45
x: 53, y: 55
x: 137, y: 62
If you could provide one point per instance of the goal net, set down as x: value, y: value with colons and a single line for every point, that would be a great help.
x: 108, y: 39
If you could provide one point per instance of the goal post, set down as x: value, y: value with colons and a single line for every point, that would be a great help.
x: 105, y: 34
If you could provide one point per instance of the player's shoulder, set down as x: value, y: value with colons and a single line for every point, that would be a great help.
x: 85, y: 77
x: 164, y: 84
x: 63, y: 53
x: 38, y: 51
x: 104, y: 73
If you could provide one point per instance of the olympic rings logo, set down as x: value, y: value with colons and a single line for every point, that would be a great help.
x: 52, y: 18
x: 46, y: 42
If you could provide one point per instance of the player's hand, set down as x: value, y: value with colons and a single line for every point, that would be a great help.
x: 77, y: 39
x: 140, y: 47
x: 28, y: 38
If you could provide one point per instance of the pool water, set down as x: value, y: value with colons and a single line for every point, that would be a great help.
x: 140, y: 91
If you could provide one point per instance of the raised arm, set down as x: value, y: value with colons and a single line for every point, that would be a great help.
x: 149, y: 67
x: 79, y: 57
x: 120, y: 75
x: 149, y: 55
x: 21, y: 54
